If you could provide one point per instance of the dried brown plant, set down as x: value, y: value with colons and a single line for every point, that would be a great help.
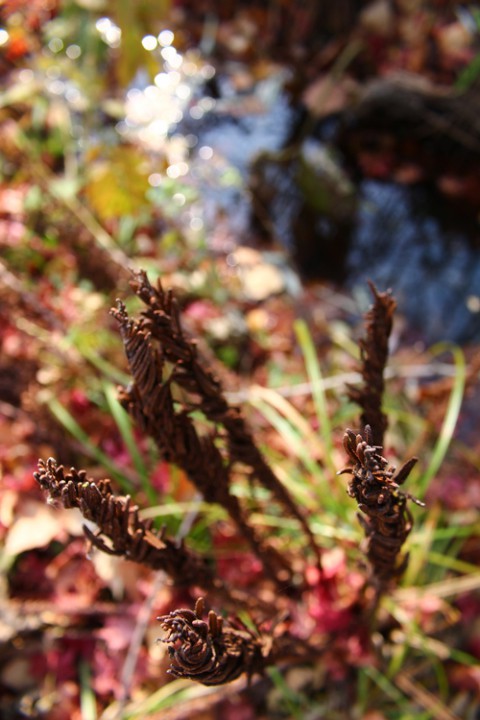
x: 118, y: 521
x: 386, y: 518
x: 150, y: 402
x: 171, y: 379
x: 211, y: 651
x: 374, y: 356
x: 192, y: 373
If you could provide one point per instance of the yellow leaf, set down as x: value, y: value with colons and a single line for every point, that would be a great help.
x: 118, y: 183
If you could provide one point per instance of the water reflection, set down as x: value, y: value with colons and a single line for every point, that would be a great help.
x: 400, y: 236
x: 434, y: 270
x: 216, y: 136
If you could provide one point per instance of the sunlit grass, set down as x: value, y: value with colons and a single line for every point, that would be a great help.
x: 451, y: 415
x: 66, y: 419
x: 177, y: 692
x: 314, y: 374
x: 88, y: 705
x: 125, y: 427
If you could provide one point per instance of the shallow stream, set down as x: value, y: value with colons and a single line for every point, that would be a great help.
x: 273, y: 184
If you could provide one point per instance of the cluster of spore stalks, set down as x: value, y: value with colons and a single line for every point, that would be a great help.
x: 172, y: 384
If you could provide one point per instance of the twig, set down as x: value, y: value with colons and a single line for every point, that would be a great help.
x: 424, y: 698
x: 339, y: 381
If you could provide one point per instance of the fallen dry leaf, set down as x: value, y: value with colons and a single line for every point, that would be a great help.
x: 38, y: 525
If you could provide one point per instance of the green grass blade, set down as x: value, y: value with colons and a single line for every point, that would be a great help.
x: 451, y: 563
x: 456, y: 531
x: 213, y: 511
x: 384, y: 684
x: 419, y: 546
x: 124, y: 424
x: 451, y: 416
x: 299, y: 449
x: 314, y: 374
x: 173, y: 694
x: 71, y: 425
x: 291, y: 698
x: 290, y: 434
x: 88, y: 705
x: 363, y: 691
x: 105, y: 368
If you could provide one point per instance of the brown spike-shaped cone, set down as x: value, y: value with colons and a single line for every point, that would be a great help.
x: 386, y: 518
x: 374, y: 356
x: 119, y: 523
x: 209, y: 651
